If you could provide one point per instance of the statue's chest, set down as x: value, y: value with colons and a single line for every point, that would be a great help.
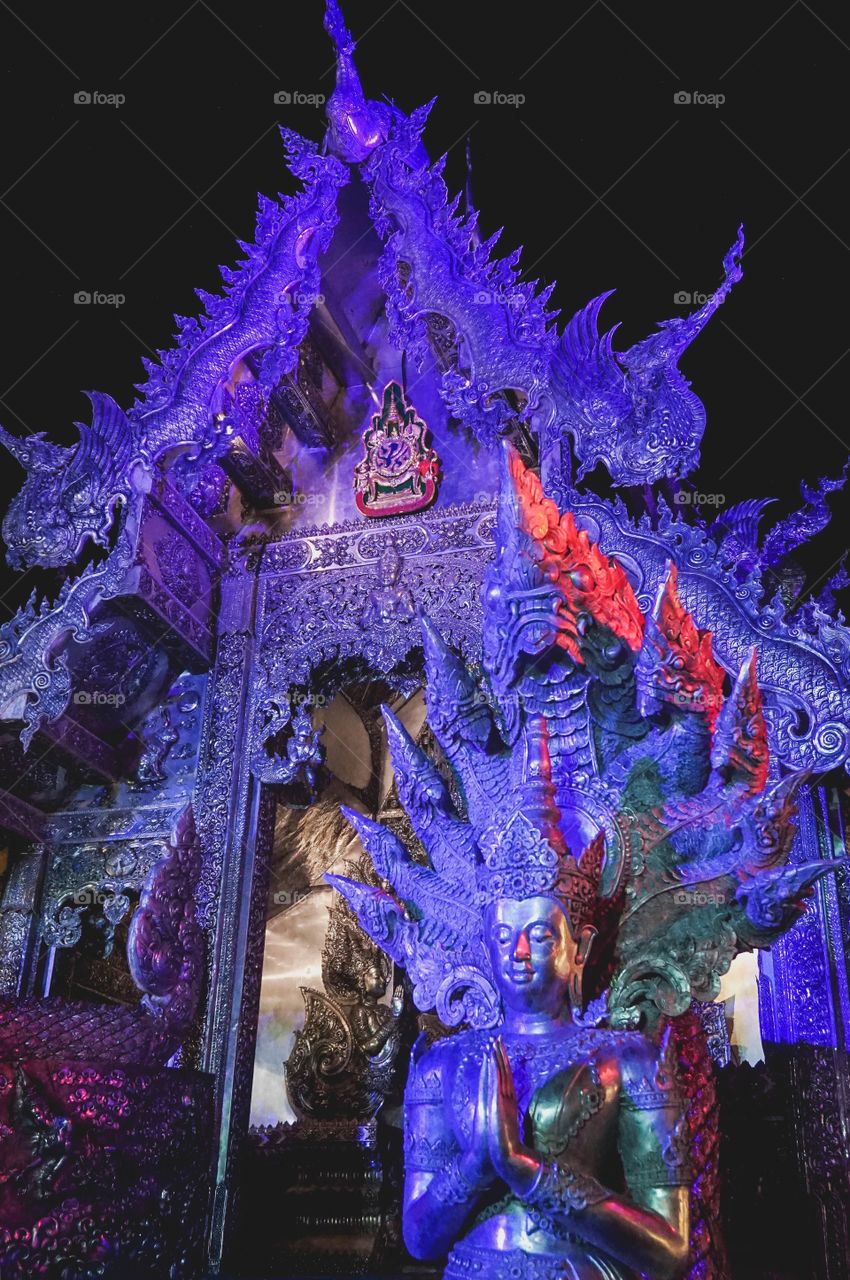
x: 560, y: 1085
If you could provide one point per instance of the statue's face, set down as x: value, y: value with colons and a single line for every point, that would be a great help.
x: 373, y: 981
x: 533, y: 953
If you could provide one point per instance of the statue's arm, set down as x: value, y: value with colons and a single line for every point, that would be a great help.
x: 442, y: 1184
x: 649, y: 1234
x: 371, y: 1030
x: 647, y: 1228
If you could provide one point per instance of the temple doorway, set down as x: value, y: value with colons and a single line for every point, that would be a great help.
x: 321, y: 1170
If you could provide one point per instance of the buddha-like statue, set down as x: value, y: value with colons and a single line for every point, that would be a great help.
x: 601, y: 828
x: 545, y: 1148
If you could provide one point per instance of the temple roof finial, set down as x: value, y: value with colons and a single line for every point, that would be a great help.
x: 355, y: 125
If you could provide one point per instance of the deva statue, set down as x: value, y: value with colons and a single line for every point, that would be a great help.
x: 603, y: 825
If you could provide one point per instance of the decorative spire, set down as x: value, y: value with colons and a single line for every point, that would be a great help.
x: 463, y: 724
x: 474, y: 233
x: 423, y: 793
x: 356, y: 125
x: 452, y: 696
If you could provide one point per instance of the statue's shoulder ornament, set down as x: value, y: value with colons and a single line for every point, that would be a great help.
x: 432, y: 1064
x: 649, y: 1073
x: 653, y: 1135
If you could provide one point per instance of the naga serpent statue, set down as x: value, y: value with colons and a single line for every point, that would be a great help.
x: 602, y: 834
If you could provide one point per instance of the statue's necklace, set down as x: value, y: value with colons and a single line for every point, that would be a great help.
x: 537, y: 1057
x: 534, y: 1059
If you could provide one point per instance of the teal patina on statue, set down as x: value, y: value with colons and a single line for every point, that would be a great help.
x: 615, y: 834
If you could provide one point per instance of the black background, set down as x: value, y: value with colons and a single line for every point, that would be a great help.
x: 600, y: 174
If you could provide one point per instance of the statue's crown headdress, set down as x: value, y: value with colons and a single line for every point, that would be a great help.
x: 519, y: 862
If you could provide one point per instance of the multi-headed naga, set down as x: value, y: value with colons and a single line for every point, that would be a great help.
x: 603, y: 828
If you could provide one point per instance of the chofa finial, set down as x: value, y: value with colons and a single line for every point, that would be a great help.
x: 355, y: 125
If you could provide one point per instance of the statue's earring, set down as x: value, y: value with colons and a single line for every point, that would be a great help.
x: 576, y: 985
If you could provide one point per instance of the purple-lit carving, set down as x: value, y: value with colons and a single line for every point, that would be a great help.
x: 737, y: 530
x: 619, y: 689
x: 70, y: 495
x: 357, y: 126
x: 634, y: 410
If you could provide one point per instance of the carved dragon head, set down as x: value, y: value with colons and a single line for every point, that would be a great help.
x: 357, y: 125
x: 71, y: 495
x: 551, y: 592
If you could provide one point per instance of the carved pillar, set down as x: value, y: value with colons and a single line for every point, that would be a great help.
x: 18, y: 920
x: 803, y: 992
x: 235, y: 823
